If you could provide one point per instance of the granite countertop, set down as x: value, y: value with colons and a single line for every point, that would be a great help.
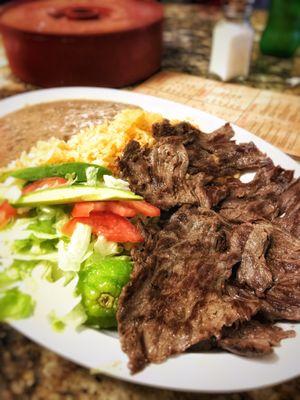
x: 28, y: 371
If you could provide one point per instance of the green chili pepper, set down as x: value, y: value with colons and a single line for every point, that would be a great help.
x: 100, y: 284
x: 62, y: 170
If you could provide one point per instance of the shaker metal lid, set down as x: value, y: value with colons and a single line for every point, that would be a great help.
x: 80, y: 17
x: 238, y: 8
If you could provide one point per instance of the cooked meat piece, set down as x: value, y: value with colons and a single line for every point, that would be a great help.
x: 185, y: 164
x: 244, y: 210
x: 254, y: 271
x: 160, y: 176
x: 201, y: 274
x: 176, y: 296
x: 204, y: 346
x: 282, y: 300
x: 268, y: 182
x: 269, y: 269
x: 215, y: 153
x: 290, y: 197
x: 290, y: 221
x: 258, y: 199
x: 253, y: 338
x: 289, y: 204
x: 185, y: 131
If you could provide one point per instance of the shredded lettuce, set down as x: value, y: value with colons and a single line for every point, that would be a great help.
x: 73, y: 319
x: 18, y: 271
x: 111, y: 182
x: 71, y: 178
x: 11, y: 189
x: 33, y: 238
x: 8, y: 278
x: 34, y: 246
x: 71, y: 256
x: 15, y: 305
x: 56, y: 299
x: 105, y: 247
x: 44, y: 226
x: 92, y: 176
x: 39, y: 257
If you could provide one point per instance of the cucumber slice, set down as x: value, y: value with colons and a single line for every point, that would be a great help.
x: 74, y: 194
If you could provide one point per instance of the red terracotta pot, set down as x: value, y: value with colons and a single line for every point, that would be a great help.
x: 83, y: 42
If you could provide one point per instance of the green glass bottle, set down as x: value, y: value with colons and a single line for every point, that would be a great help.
x: 281, y: 36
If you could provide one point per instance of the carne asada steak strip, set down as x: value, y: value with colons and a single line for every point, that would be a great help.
x: 222, y: 251
x: 176, y: 295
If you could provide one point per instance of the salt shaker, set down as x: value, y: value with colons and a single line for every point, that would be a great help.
x: 232, y: 41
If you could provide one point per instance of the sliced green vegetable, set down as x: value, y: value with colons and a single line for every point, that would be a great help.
x: 74, y: 194
x: 100, y: 284
x: 61, y: 170
x: 15, y: 305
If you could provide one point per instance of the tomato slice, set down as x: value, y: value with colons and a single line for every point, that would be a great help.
x: 68, y: 227
x: 144, y: 208
x: 84, y: 209
x: 90, y: 208
x: 7, y: 212
x: 114, y: 227
x: 123, y: 208
x: 44, y: 183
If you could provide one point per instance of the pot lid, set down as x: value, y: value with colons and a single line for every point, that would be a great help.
x: 80, y: 17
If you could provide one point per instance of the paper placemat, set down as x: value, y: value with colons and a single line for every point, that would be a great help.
x: 273, y: 116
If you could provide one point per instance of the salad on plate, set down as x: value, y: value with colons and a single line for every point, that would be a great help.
x: 66, y: 231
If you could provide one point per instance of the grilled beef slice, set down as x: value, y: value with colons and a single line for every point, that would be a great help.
x: 160, y: 175
x: 187, y: 166
x: 258, y: 199
x: 176, y: 296
x: 289, y: 203
x: 215, y: 153
x: 282, y: 300
x: 252, y: 338
x: 269, y: 268
x: 200, y: 274
x: 254, y: 272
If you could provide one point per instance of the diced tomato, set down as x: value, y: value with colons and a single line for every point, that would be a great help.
x: 69, y: 227
x: 84, y: 209
x: 91, y: 208
x: 120, y: 208
x: 123, y: 208
x: 114, y: 227
x: 7, y: 212
x: 44, y: 183
x: 144, y: 208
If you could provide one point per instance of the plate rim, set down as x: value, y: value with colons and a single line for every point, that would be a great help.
x: 16, y: 102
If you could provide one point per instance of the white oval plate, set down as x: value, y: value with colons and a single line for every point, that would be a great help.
x: 206, y: 372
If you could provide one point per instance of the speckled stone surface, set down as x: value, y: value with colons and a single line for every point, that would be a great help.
x: 29, y: 372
